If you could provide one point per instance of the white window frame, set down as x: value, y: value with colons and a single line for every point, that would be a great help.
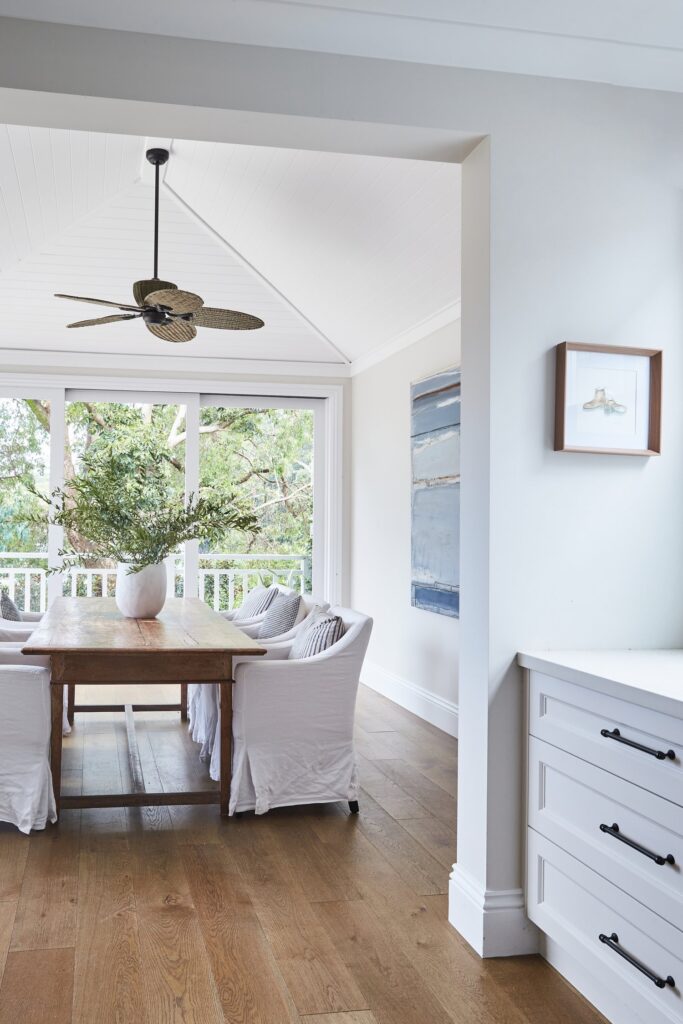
x: 325, y: 399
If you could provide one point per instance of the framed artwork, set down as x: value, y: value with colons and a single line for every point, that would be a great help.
x: 435, y: 497
x: 608, y: 399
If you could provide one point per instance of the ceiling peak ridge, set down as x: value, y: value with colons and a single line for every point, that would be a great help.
x: 217, y: 236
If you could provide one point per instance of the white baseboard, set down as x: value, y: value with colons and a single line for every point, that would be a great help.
x: 493, y: 921
x: 434, y: 709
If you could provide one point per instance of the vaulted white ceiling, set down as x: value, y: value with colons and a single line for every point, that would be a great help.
x: 340, y: 255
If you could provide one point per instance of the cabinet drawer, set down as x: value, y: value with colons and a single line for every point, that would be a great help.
x: 570, y: 799
x: 575, y: 906
x: 583, y: 721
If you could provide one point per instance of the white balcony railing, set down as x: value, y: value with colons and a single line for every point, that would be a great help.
x: 224, y: 578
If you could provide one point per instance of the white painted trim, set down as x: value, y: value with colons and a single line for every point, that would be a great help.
x: 436, y: 710
x: 444, y: 316
x: 493, y: 921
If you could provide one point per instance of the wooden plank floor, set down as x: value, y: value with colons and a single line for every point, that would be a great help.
x: 302, y: 916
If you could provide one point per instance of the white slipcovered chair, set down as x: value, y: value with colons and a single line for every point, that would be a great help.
x: 11, y: 643
x: 26, y: 795
x: 293, y: 724
x: 202, y: 700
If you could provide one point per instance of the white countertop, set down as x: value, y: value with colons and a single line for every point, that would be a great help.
x: 654, y: 677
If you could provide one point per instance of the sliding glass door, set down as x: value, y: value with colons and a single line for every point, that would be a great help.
x: 270, y: 453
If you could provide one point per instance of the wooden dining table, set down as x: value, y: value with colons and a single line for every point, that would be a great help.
x: 88, y: 641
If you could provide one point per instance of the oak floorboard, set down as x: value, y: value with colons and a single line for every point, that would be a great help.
x: 250, y: 987
x: 434, y: 798
x: 418, y: 868
x: 316, y: 977
x: 349, y: 1017
x: 37, y: 987
x: 394, y: 989
x: 438, y: 839
x: 7, y: 914
x: 317, y: 872
x: 108, y: 982
x: 14, y: 849
x: 436, y: 764
x: 179, y: 987
x: 388, y: 794
x: 47, y: 907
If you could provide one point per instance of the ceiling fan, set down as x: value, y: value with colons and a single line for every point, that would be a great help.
x: 168, y: 312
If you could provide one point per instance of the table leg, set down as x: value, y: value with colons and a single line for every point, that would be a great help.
x: 226, y: 746
x: 57, y: 701
x: 183, y: 702
x: 71, y: 702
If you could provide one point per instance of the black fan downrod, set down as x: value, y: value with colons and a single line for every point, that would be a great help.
x: 157, y: 158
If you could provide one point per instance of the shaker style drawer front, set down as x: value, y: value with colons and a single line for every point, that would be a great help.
x: 634, y: 742
x: 625, y: 945
x: 625, y: 833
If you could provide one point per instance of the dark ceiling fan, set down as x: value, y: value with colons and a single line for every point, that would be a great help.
x: 168, y: 312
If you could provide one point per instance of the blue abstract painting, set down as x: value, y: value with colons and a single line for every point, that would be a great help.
x: 435, y: 448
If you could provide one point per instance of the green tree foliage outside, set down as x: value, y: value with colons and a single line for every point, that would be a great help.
x: 263, y: 456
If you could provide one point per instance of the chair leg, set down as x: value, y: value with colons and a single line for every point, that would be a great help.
x: 353, y: 806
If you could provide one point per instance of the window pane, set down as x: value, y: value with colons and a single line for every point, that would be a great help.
x: 135, y: 430
x: 24, y: 488
x: 264, y: 456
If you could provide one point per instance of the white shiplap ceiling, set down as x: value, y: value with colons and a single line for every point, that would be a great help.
x: 339, y: 254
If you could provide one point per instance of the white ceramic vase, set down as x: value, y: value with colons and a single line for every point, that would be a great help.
x: 140, y: 595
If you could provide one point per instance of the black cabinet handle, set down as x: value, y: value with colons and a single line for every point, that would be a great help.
x: 613, y: 942
x: 614, y: 734
x: 613, y: 830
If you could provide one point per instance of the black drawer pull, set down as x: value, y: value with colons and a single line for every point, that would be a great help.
x: 614, y: 734
x: 613, y: 942
x: 613, y: 830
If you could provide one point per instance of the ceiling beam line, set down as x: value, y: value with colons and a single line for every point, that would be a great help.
x: 218, y: 237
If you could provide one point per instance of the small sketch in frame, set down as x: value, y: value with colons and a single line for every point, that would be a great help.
x: 608, y: 399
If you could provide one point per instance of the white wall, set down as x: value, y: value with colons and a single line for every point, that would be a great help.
x: 413, y: 654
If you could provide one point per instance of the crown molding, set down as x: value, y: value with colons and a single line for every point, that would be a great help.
x: 444, y: 316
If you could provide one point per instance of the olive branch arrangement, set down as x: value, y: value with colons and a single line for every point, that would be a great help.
x: 121, y: 504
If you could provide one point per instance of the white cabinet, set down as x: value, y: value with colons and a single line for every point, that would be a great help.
x: 605, y: 826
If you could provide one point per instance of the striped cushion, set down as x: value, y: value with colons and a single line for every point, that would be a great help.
x: 256, y: 602
x: 324, y: 632
x: 281, y: 615
x: 8, y: 609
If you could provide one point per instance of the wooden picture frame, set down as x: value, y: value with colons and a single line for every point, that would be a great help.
x: 621, y: 420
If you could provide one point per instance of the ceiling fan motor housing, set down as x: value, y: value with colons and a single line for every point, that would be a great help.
x: 157, y: 157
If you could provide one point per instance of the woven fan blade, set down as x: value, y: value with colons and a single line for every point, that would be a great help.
x: 106, y: 319
x: 175, y: 300
x: 226, y: 319
x: 141, y: 289
x: 98, y: 302
x: 177, y: 330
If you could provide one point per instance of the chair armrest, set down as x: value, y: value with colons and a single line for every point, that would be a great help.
x: 10, y: 654
x: 31, y: 616
x: 16, y: 635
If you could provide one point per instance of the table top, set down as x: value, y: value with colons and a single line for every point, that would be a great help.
x: 95, y: 625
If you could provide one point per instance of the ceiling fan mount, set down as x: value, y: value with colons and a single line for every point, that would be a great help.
x: 168, y: 313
